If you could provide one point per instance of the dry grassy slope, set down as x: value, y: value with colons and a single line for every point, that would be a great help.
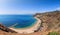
x: 50, y: 21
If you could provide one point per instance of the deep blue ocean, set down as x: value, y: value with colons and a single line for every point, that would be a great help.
x: 21, y: 20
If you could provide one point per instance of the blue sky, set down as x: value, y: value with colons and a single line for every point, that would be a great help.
x: 28, y: 6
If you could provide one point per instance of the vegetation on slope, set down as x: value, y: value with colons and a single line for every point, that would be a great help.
x: 53, y: 33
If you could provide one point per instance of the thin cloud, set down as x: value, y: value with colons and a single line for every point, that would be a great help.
x: 58, y: 8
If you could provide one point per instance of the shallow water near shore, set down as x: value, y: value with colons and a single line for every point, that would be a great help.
x: 17, y: 21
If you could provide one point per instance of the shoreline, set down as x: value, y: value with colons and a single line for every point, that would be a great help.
x: 29, y: 30
x: 25, y: 27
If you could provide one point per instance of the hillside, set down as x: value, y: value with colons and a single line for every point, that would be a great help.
x: 52, y: 19
x: 50, y: 23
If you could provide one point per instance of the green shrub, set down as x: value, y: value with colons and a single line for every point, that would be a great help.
x: 53, y: 33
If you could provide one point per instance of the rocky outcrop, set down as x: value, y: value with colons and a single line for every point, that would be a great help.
x: 3, y: 28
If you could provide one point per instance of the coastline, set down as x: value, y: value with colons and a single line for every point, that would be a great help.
x: 29, y: 30
x: 25, y: 27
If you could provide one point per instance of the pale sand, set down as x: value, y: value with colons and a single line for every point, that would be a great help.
x: 29, y: 30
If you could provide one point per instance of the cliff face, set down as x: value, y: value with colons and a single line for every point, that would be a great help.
x: 50, y: 22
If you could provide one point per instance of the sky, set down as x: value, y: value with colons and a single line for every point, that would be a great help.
x: 28, y: 6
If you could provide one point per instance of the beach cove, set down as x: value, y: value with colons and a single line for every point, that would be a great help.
x: 29, y: 30
x: 20, y: 23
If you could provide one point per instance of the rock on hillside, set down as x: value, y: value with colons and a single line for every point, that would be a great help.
x: 3, y: 28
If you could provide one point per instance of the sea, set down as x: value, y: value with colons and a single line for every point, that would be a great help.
x: 17, y: 21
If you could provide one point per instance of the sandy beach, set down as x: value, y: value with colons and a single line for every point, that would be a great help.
x: 29, y: 30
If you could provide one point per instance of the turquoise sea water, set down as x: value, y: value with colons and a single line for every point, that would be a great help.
x: 20, y: 21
